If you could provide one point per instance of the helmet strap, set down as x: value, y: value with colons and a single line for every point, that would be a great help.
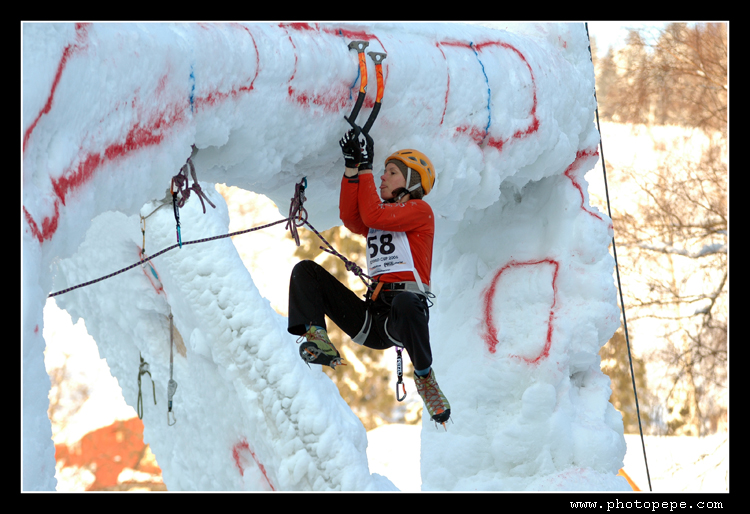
x: 408, y: 181
x: 398, y: 194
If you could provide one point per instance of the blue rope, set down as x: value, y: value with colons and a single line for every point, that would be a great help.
x: 489, y: 91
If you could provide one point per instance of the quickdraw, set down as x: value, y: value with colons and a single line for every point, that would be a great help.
x: 176, y: 216
x: 180, y: 181
x: 400, y: 373
x: 143, y: 369
x: 179, y: 185
x: 297, y: 213
x: 172, y: 385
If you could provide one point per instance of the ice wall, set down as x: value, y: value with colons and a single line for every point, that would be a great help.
x: 521, y: 267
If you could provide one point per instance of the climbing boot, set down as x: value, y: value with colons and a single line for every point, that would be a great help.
x: 434, y: 400
x: 318, y: 349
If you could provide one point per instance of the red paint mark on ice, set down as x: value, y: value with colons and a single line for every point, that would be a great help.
x: 140, y: 135
x: 49, y: 224
x: 349, y: 35
x: 490, y: 335
x: 76, y: 176
x: 153, y: 132
x: 68, y: 51
x: 447, y: 84
x: 335, y: 98
x: 237, y: 452
x: 480, y: 135
x: 213, y: 97
x: 581, y: 157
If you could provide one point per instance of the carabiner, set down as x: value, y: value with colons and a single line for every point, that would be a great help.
x: 400, y: 373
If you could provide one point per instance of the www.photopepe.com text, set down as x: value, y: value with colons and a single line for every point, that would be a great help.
x: 653, y: 506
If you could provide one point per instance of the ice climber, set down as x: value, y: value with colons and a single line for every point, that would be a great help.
x: 399, y: 232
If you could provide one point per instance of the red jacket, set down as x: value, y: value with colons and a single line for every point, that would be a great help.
x: 361, y: 208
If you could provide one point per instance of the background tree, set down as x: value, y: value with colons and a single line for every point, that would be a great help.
x: 66, y: 396
x: 674, y: 239
x: 675, y: 255
x: 367, y: 382
x: 674, y: 76
x: 616, y: 365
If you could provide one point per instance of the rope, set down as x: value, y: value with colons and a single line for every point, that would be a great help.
x: 165, y: 250
x: 298, y: 217
x: 350, y: 266
x: 619, y: 284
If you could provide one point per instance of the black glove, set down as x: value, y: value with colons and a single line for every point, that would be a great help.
x: 368, y: 151
x: 351, y: 149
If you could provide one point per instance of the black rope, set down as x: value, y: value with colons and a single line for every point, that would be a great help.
x: 297, y: 217
x: 157, y: 254
x: 349, y: 265
x: 617, y: 270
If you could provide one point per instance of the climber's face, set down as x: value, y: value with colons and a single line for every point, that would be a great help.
x: 391, y: 180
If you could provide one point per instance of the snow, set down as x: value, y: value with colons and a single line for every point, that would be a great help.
x: 675, y: 464
x: 522, y: 272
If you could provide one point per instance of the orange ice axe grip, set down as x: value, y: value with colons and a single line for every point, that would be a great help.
x: 359, y: 46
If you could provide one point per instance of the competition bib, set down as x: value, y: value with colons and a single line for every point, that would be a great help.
x: 388, y: 252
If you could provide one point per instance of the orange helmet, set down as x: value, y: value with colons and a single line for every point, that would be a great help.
x: 417, y: 161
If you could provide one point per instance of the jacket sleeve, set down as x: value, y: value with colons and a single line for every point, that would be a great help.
x: 348, y: 206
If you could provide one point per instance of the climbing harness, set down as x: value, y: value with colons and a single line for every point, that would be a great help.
x: 172, y: 385
x: 143, y: 369
x: 617, y: 269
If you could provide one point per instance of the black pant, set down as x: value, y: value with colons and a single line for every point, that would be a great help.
x: 395, y: 317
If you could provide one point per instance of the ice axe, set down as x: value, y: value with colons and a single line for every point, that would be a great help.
x: 359, y: 46
x: 377, y: 57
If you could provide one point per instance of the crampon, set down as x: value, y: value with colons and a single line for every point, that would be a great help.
x: 311, y: 354
x: 436, y: 404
